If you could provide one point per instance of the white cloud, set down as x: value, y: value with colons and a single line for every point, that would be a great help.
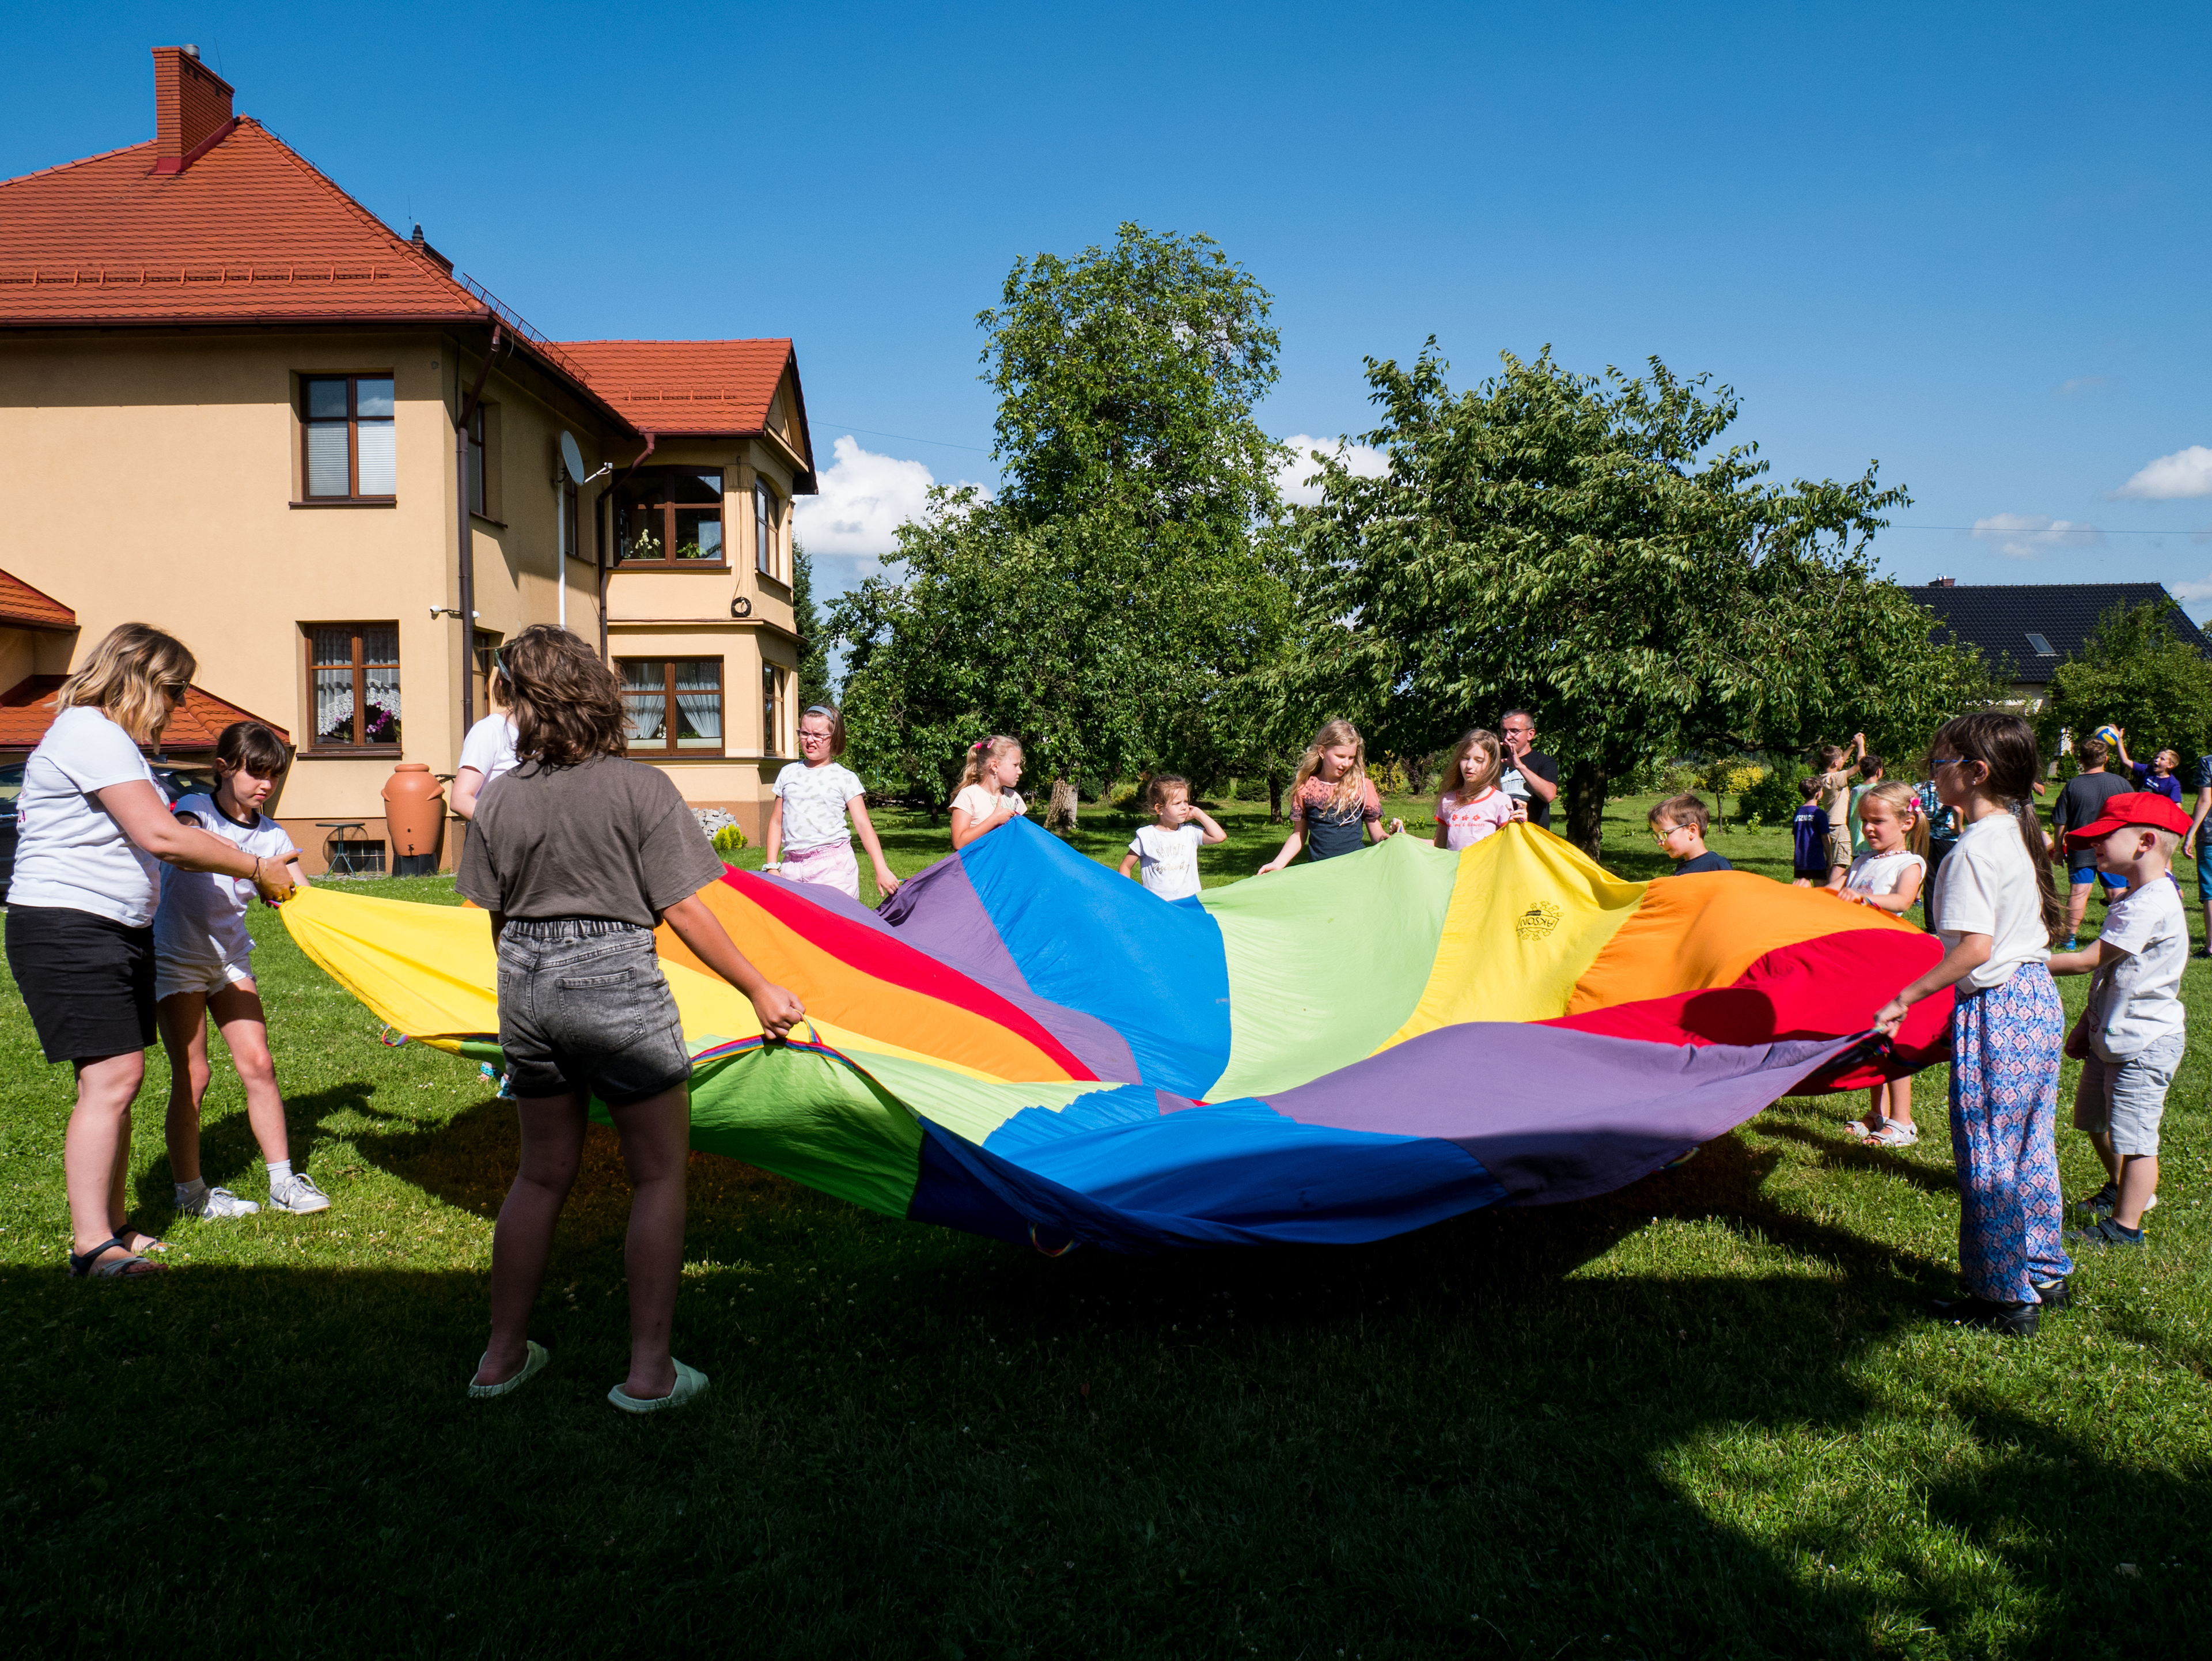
x: 2184, y: 473
x: 2024, y: 536
x: 863, y: 499
x: 1299, y: 478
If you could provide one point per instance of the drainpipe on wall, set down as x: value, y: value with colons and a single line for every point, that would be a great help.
x: 468, y: 553
x: 651, y: 439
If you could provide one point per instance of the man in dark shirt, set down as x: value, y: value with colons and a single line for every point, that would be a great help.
x: 2083, y: 802
x: 1529, y: 776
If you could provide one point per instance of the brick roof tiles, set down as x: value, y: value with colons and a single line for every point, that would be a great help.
x: 250, y: 231
x: 22, y: 604
x: 679, y: 386
x: 27, y: 710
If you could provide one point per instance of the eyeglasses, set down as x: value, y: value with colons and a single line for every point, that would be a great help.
x: 1661, y: 836
x: 1934, y: 762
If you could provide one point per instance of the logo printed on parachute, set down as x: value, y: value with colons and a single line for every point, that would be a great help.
x: 1539, y: 920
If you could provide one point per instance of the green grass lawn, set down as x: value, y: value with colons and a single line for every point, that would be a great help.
x: 1701, y: 1416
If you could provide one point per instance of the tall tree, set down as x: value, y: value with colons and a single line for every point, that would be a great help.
x: 1096, y: 607
x: 2135, y: 672
x: 1584, y: 545
x: 814, y: 683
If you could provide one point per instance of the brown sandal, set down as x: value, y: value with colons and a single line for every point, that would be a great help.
x: 86, y: 1265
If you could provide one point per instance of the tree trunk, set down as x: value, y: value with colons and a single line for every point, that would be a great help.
x: 1061, y: 816
x: 1274, y: 795
x: 1586, y: 808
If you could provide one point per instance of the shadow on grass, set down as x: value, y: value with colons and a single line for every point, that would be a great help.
x: 230, y: 1155
x: 1838, y: 1152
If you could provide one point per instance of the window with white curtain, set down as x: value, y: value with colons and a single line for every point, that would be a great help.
x: 764, y: 528
x: 675, y: 704
x: 354, y: 673
x: 350, y: 450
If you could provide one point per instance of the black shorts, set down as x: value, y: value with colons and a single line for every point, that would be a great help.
x: 86, y: 980
x: 1817, y: 873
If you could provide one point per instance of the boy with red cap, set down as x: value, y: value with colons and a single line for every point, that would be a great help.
x: 2131, y: 1035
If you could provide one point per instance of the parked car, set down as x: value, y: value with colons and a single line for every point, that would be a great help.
x: 175, y: 781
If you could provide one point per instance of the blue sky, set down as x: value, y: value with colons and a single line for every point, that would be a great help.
x: 1972, y: 242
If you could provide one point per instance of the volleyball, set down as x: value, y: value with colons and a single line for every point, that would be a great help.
x: 2108, y: 733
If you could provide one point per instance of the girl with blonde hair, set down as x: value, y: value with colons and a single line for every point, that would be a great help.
x: 1470, y: 806
x: 1888, y: 877
x: 986, y: 798
x: 92, y: 832
x: 1334, y: 807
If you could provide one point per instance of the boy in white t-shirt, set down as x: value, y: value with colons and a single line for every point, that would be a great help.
x: 1167, y: 849
x: 2131, y: 1034
x: 204, y: 966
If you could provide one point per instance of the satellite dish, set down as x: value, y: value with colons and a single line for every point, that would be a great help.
x: 572, y: 458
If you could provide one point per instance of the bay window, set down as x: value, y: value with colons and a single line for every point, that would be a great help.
x: 670, y: 517
x: 675, y: 704
x: 773, y: 682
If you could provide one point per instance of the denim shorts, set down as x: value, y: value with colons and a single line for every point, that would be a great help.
x: 2126, y: 1098
x: 583, y: 1007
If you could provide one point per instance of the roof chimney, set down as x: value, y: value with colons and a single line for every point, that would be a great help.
x: 191, y: 108
x: 1943, y: 582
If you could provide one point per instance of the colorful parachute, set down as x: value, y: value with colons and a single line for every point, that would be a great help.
x: 1028, y: 1046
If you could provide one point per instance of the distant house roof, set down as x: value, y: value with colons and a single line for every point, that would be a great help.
x: 27, y: 710
x: 24, y: 605
x: 705, y: 388
x: 2037, y: 626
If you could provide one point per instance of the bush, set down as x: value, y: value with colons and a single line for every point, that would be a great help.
x: 729, y: 839
x: 1389, y: 777
x: 1772, y: 800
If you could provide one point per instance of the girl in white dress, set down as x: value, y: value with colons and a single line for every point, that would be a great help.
x: 1888, y: 877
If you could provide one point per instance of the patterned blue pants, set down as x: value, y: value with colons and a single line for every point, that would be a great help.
x: 2005, y: 1103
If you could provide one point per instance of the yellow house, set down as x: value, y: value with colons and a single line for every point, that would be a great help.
x: 235, y: 404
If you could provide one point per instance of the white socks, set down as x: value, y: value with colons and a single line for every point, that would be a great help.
x: 280, y: 1173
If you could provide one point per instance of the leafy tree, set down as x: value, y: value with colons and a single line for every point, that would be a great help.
x: 814, y: 684
x: 1099, y: 607
x: 2134, y: 673
x: 1582, y: 546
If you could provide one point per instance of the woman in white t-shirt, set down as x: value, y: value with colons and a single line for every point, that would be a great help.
x: 92, y: 831
x: 1997, y: 907
x: 1887, y: 878
x: 807, y: 838
x: 489, y: 749
x: 986, y: 798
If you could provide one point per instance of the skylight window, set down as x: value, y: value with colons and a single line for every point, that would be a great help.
x: 2043, y: 648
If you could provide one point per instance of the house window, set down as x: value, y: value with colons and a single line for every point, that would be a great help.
x: 571, y: 542
x: 355, y: 668
x: 670, y: 517
x: 486, y: 645
x: 675, y: 704
x: 764, y: 528
x: 772, y: 696
x: 349, y: 451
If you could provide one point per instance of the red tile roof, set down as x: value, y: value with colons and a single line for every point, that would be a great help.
x: 685, y: 387
x: 251, y: 232
x: 27, y: 710
x: 22, y: 603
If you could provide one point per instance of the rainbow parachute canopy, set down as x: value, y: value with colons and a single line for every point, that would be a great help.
x: 1027, y: 1045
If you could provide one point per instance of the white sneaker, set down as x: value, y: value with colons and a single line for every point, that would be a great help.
x: 217, y: 1202
x: 298, y: 1195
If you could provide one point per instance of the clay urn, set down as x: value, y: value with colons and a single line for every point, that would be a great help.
x: 415, y: 809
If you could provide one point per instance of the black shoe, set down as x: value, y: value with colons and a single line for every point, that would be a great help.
x: 2014, y: 1320
x: 2053, y: 1292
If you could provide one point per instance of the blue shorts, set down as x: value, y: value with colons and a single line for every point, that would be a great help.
x: 2204, y: 874
x: 2081, y: 876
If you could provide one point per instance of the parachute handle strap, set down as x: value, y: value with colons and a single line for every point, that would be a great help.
x: 1047, y: 1251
